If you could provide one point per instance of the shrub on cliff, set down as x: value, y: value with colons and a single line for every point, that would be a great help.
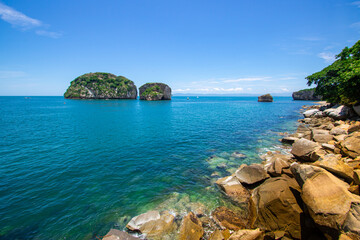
x: 340, y: 82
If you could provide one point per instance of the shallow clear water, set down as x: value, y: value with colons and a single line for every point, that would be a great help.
x: 72, y: 169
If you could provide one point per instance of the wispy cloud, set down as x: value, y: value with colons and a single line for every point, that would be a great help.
x: 356, y: 3
x: 250, y: 79
x: 327, y: 56
x: 20, y: 20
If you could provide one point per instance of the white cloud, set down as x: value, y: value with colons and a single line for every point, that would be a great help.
x: 181, y: 90
x: 48, y: 34
x: 20, y: 20
x: 16, y: 18
x: 250, y: 79
x: 327, y: 56
x: 356, y: 3
x: 285, y: 90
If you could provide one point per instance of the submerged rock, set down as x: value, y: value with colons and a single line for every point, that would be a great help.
x: 265, y: 98
x: 101, y: 86
x: 155, y: 91
x: 226, y: 218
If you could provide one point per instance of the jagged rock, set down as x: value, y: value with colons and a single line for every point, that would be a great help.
x: 191, y: 228
x: 330, y: 204
x: 265, y: 98
x: 310, y: 113
x: 340, y: 137
x: 155, y: 91
x: 247, y: 234
x: 321, y: 136
x: 289, y: 140
x: 306, y: 94
x: 220, y: 235
x: 275, y: 163
x: 226, y: 218
x: 115, y: 234
x: 354, y: 127
x: 234, y: 189
x: 101, y: 86
x: 277, y: 207
x: 306, y: 150
x: 251, y: 174
x: 328, y: 146
x: 338, y: 131
x: 335, y: 165
x: 350, y: 146
x: 152, y: 223
x: 338, y: 112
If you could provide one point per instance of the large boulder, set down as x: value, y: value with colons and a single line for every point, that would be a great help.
x: 234, y: 189
x: 306, y: 94
x: 277, y: 208
x: 350, y: 146
x: 191, y: 228
x: 332, y: 207
x: 101, y: 86
x: 251, y: 174
x: 338, y: 112
x: 155, y: 91
x: 226, y: 218
x: 310, y: 113
x: 115, y: 234
x: 247, y: 234
x: 276, y: 162
x: 321, y: 135
x: 306, y: 150
x: 265, y: 98
x: 334, y: 164
x: 152, y: 224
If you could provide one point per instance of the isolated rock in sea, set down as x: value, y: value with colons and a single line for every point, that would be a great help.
x: 152, y: 223
x: 191, y: 228
x: 247, y: 234
x: 277, y: 208
x: 251, y: 174
x: 330, y: 204
x: 265, y: 98
x: 101, y: 86
x: 155, y: 91
x: 226, y: 218
x: 115, y: 234
x: 306, y: 94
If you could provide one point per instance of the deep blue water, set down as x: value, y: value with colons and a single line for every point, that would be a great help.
x: 72, y: 169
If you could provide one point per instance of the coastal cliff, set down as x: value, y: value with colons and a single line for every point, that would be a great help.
x: 101, y: 86
x: 306, y: 94
x: 155, y: 91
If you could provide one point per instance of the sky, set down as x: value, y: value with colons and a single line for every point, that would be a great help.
x: 234, y: 47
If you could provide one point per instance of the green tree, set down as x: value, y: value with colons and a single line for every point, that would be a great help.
x: 340, y: 82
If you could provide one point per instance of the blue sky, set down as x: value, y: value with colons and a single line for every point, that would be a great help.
x: 200, y: 47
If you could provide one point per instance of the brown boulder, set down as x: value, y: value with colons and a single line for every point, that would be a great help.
x: 191, y: 228
x: 338, y: 131
x: 277, y: 207
x: 354, y: 127
x: 220, y: 235
x: 350, y: 146
x: 226, y: 218
x: 306, y: 150
x: 247, y: 234
x: 115, y: 234
x: 234, y: 189
x: 328, y: 200
x: 275, y: 163
x: 321, y: 136
x: 334, y: 164
x: 251, y: 174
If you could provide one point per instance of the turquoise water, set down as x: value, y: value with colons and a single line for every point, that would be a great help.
x: 72, y: 169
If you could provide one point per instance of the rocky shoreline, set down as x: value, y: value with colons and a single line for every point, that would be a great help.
x: 310, y: 193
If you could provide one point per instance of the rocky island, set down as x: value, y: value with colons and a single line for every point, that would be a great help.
x: 265, y: 98
x: 306, y: 94
x: 100, y: 85
x: 155, y: 91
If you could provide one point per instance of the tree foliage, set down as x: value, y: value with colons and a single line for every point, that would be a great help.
x: 340, y: 82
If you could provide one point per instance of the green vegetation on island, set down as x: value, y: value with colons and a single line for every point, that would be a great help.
x: 100, y: 85
x: 155, y: 91
x: 340, y: 82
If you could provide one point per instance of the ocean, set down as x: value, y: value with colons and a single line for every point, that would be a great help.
x: 73, y: 169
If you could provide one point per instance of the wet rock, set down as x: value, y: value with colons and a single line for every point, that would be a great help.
x: 115, y: 234
x: 234, y: 189
x: 247, y: 234
x: 335, y: 165
x: 251, y: 174
x: 152, y: 223
x: 306, y: 150
x: 350, y: 146
x: 265, y: 98
x: 330, y: 204
x: 277, y: 207
x: 191, y: 228
x: 226, y: 218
